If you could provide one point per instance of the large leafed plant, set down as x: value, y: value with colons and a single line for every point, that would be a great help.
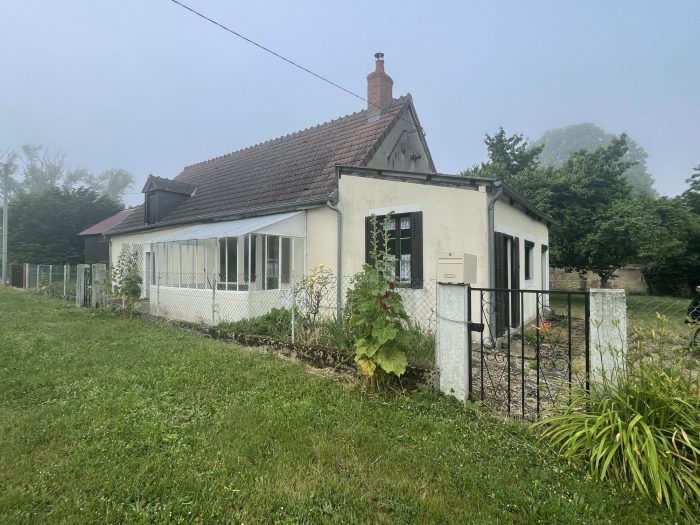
x: 377, y: 313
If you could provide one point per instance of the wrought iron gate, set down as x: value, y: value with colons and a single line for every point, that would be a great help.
x: 527, y: 348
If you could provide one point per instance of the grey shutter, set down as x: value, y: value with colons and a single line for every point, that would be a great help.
x: 417, y: 249
x: 515, y: 283
x: 500, y: 269
x: 368, y: 240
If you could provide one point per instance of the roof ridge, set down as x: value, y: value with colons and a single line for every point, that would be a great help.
x: 396, y: 101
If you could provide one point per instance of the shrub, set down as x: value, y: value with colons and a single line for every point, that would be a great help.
x: 310, y: 294
x: 50, y: 289
x: 640, y: 427
x: 276, y: 324
x: 126, y: 277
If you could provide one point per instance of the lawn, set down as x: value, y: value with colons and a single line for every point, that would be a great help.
x: 115, y: 420
x: 642, y: 313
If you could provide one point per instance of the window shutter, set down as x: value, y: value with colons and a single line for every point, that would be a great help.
x: 515, y: 283
x: 368, y: 240
x: 500, y: 269
x: 417, y: 249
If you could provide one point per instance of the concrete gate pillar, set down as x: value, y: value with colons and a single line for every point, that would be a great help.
x: 452, y: 346
x: 608, y: 332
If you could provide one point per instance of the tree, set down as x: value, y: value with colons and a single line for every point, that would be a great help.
x: 645, y: 230
x: 41, y: 170
x: 44, y: 227
x: 8, y: 167
x: 557, y: 146
x: 508, y: 157
x: 583, y: 193
x: 678, y: 273
x: 691, y: 196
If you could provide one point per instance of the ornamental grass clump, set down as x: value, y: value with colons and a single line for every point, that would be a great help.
x: 640, y: 427
x: 377, y: 314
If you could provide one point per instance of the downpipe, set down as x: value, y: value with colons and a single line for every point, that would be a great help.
x: 338, y: 256
x: 491, y: 218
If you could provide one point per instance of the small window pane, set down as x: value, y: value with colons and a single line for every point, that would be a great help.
x: 286, y: 259
x: 232, y: 269
x: 272, y: 263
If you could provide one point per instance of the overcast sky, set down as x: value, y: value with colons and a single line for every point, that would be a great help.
x: 146, y: 86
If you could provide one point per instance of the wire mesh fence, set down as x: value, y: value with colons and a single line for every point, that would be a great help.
x: 301, y: 310
x: 304, y: 310
x: 48, y: 279
x: 668, y: 317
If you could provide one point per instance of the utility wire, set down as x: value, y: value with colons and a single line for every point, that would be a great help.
x: 268, y: 50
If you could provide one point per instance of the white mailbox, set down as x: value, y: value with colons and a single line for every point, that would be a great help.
x: 456, y: 268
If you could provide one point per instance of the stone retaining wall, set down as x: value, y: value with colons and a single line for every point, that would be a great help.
x: 629, y: 278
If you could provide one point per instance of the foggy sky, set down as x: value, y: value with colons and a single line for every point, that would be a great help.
x: 148, y: 87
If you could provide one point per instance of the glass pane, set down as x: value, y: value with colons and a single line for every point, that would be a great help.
x: 391, y: 227
x: 222, y: 260
x: 405, y: 249
x: 286, y: 259
x: 232, y: 249
x: 272, y: 262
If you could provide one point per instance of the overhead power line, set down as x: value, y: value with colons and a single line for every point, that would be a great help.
x: 274, y: 53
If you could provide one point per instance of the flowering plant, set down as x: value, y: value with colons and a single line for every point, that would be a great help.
x: 377, y: 312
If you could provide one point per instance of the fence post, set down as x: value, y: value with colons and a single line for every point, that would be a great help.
x: 50, y: 273
x: 66, y: 273
x: 213, y: 300
x: 294, y: 307
x: 452, y: 343
x: 25, y: 277
x: 608, y: 332
x: 38, y: 266
x: 158, y: 293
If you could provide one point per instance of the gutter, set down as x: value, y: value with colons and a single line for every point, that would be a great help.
x: 491, y: 217
x: 332, y: 203
x: 224, y: 216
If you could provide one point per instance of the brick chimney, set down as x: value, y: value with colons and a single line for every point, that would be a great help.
x: 378, y: 86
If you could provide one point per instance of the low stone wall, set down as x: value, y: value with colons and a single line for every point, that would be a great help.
x: 630, y: 278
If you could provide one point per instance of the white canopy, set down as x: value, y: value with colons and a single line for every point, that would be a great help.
x: 271, y: 224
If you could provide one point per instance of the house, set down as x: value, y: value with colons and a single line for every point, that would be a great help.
x: 253, y: 220
x: 96, y: 243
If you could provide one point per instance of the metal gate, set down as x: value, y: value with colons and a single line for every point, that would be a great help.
x: 527, y: 348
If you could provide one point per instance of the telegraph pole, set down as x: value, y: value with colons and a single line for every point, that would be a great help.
x: 5, y: 212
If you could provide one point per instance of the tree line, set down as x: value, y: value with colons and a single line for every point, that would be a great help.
x: 51, y: 203
x: 597, y: 189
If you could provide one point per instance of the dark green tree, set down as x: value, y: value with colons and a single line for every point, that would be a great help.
x: 691, y: 196
x: 44, y: 227
x: 583, y: 193
x: 509, y: 156
x: 557, y: 145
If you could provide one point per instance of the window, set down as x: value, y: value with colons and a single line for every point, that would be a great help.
x: 151, y: 208
x: 228, y: 260
x: 405, y: 246
x: 249, y: 258
x: 529, y: 259
x: 272, y: 262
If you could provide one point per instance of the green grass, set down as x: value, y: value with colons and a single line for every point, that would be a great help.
x: 641, y: 310
x: 113, y: 420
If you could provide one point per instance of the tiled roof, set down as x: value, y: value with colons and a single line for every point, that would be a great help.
x: 175, y: 186
x: 298, y: 167
x: 108, y: 223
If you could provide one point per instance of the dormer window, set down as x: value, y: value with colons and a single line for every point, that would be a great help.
x: 163, y: 196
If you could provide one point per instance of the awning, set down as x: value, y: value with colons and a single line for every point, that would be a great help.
x: 216, y: 230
